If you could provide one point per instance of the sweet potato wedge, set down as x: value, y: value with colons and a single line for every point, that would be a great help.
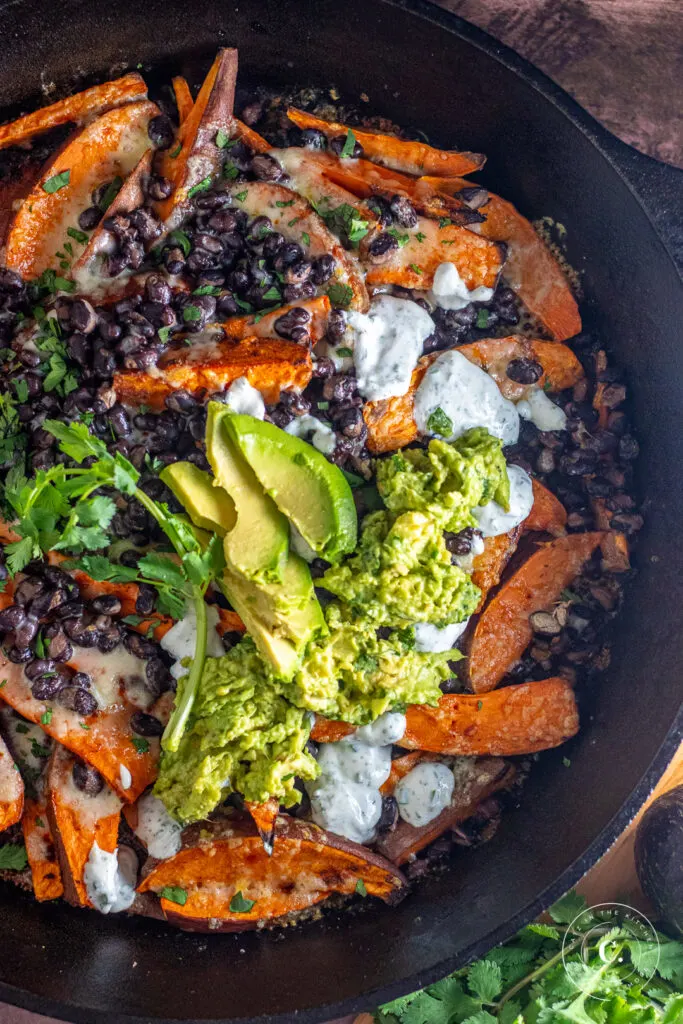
x: 400, y: 154
x: 11, y: 789
x: 200, y: 157
x: 478, y: 260
x: 531, y: 270
x: 41, y: 851
x: 263, y: 325
x: 503, y: 632
x: 77, y: 821
x: 295, y: 218
x: 390, y: 421
x: 222, y: 865
x: 548, y: 514
x: 111, y: 145
x: 130, y: 197
x: 519, y: 719
x: 249, y: 137
x: 183, y: 98
x: 475, y: 781
x: 488, y: 566
x: 324, y: 194
x: 271, y: 366
x: 105, y: 739
x: 77, y: 108
x: 325, y: 730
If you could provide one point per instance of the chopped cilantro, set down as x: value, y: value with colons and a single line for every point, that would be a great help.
x: 360, y: 887
x: 176, y: 152
x: 440, y: 423
x: 79, y: 236
x: 482, y: 319
x: 56, y: 182
x: 282, y: 204
x: 444, y: 222
x: 349, y: 145
x: 110, y: 193
x: 240, y: 905
x: 46, y: 717
x: 191, y: 314
x: 401, y: 237
x: 340, y: 294
x: 343, y: 351
x: 140, y: 744
x: 207, y: 289
x: 414, y: 266
x: 174, y: 894
x: 222, y: 139
x: 272, y: 295
x: 201, y: 186
x: 420, y: 236
x: 241, y: 196
x: 305, y: 238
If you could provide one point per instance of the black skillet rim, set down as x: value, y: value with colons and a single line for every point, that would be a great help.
x: 609, y: 148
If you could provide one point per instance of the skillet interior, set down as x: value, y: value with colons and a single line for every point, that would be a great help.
x: 86, y: 968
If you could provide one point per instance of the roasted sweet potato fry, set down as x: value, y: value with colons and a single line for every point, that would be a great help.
x: 183, y: 98
x: 111, y: 145
x: 474, y: 783
x: 130, y: 197
x: 200, y: 157
x: 105, y: 739
x: 271, y: 366
x: 295, y: 218
x: 531, y: 270
x: 519, y: 719
x: 249, y: 137
x: 478, y: 260
x: 265, y: 817
x: 231, y: 883
x: 41, y: 851
x: 263, y: 325
x: 548, y: 514
x: 401, y: 154
x: 78, y: 820
x: 489, y: 565
x: 77, y: 108
x: 390, y: 421
x: 503, y: 632
x: 11, y: 789
x: 324, y: 194
x: 327, y: 731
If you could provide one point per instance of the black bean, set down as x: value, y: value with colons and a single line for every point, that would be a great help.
x: 323, y: 368
x: 82, y: 633
x: 174, y: 260
x: 106, y: 604
x: 312, y: 138
x: 545, y: 463
x: 266, y: 168
x: 10, y: 282
x: 45, y: 687
x: 108, y: 639
x: 157, y: 289
x: 297, y: 404
x: 403, y: 212
x: 322, y: 269
x: 626, y: 523
x: 258, y: 229
x: 381, y: 248
x: 38, y: 667
x: 628, y: 448
x: 524, y: 371
x: 27, y: 591
x: 461, y: 543
x: 339, y: 388
x: 159, y: 188
x: 351, y: 423
x: 59, y: 649
x: 83, y: 317
x: 12, y: 618
x: 181, y: 401
x: 157, y: 675
x: 81, y: 679
x: 289, y: 252
x: 89, y: 218
x: 297, y: 292
x: 74, y: 698
x: 297, y: 273
x: 19, y: 655
x: 388, y: 819
x: 295, y: 318
x: 145, y: 725
x: 87, y: 779
x: 25, y: 633
x: 144, y: 604
x: 339, y: 141
x: 161, y: 132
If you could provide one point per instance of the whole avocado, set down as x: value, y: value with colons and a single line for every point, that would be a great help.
x: 659, y: 857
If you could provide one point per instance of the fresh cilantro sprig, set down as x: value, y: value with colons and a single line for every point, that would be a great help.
x: 589, y: 967
x: 60, y: 509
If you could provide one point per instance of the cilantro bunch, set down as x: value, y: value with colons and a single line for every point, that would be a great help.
x: 63, y: 509
x: 590, y: 967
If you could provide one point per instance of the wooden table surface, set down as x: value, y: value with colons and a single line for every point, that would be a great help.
x: 623, y: 61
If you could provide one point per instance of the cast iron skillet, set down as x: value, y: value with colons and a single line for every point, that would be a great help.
x: 423, y: 67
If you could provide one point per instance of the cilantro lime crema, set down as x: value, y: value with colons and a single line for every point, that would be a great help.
x: 249, y: 725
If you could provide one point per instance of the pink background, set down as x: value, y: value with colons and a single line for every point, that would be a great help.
x: 621, y: 59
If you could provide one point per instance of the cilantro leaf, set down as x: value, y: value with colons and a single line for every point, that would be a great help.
x: 440, y: 423
x: 485, y: 980
x: 240, y: 905
x: 201, y: 186
x: 349, y: 145
x: 110, y: 193
x: 56, y: 182
x: 222, y: 139
x: 569, y: 907
x: 13, y: 858
x: 180, y: 239
x: 174, y: 894
x: 340, y: 294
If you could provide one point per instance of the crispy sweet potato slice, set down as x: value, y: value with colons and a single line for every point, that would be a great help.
x: 489, y: 565
x: 503, y: 632
x: 325, y: 730
x: 531, y: 270
x: 519, y: 719
x: 400, y: 154
x: 295, y: 218
x: 105, y: 739
x: 131, y: 195
x: 390, y: 421
x: 41, y: 851
x: 263, y: 325
x: 324, y: 194
x: 78, y: 108
x: 548, y: 514
x: 11, y: 789
x: 478, y: 260
x: 200, y: 157
x: 271, y: 366
x: 112, y: 145
x: 400, y: 766
x: 474, y: 783
x: 77, y: 821
x: 219, y: 861
x: 183, y: 98
x: 249, y: 137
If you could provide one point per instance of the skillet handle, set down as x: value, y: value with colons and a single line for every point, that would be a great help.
x: 658, y: 186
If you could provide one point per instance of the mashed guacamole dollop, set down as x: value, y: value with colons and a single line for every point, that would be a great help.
x: 249, y: 729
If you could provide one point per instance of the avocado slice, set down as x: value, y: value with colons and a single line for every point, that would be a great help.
x: 282, y: 617
x: 209, y: 507
x: 312, y: 492
x: 258, y: 543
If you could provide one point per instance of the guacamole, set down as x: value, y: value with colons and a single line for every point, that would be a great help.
x: 250, y: 722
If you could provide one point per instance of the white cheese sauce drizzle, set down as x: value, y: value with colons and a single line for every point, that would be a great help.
x: 467, y: 396
x: 179, y: 642
x: 542, y: 412
x: 436, y: 639
x: 450, y: 291
x: 242, y: 398
x: 493, y: 519
x: 110, y: 885
x: 310, y: 428
x: 345, y: 798
x: 156, y: 828
x: 387, y: 342
x: 424, y: 792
